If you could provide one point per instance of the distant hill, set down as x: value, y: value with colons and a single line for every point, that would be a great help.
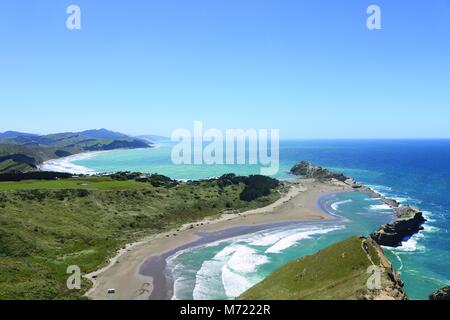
x: 23, y: 152
x: 153, y: 138
x: 14, y: 134
x: 103, y: 134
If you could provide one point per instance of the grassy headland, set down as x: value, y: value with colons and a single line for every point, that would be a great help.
x: 338, y: 272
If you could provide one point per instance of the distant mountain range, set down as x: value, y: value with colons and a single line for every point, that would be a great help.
x: 21, y: 151
x: 153, y: 138
x: 14, y: 134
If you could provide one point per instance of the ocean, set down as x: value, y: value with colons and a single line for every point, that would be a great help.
x: 414, y: 172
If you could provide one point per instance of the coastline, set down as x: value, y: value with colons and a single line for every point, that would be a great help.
x: 136, y: 270
x: 65, y: 164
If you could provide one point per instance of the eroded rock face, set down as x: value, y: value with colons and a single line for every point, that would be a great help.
x: 441, y: 294
x: 393, y: 289
x: 409, y: 222
x: 307, y: 170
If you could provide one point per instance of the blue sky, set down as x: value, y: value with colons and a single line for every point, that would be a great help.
x: 309, y: 68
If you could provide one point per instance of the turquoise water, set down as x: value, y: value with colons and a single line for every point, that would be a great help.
x: 412, y: 171
x: 224, y: 269
x: 158, y: 160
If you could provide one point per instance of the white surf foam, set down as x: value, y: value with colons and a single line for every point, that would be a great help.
x: 66, y: 164
x: 208, y: 278
x: 411, y: 245
x: 269, y: 238
x: 382, y: 190
x: 431, y: 229
x: 428, y: 215
x: 335, y: 206
x: 245, y: 260
x: 380, y: 207
x: 229, y: 270
x: 233, y: 283
x: 293, y: 239
x: 401, y: 199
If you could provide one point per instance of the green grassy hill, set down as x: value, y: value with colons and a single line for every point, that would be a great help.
x: 46, y: 226
x: 338, y: 272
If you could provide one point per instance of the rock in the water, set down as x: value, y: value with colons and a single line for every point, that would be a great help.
x: 391, y: 202
x: 441, y: 294
x: 307, y: 170
x: 407, y: 212
x: 410, y: 220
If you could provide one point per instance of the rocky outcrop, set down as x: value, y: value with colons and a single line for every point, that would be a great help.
x: 393, y: 288
x: 307, y: 170
x: 409, y: 221
x: 441, y: 294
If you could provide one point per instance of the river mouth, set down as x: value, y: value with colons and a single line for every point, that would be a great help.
x: 223, y: 264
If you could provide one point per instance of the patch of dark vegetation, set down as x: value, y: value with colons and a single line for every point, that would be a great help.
x: 258, y: 186
x: 81, y: 193
x: 230, y: 179
x: 34, y: 175
x: 118, y: 144
x: 156, y: 180
x: 3, y: 200
x: 125, y: 175
x: 20, y: 158
x: 62, y: 153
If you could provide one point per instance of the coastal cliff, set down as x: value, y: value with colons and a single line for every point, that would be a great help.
x: 409, y: 222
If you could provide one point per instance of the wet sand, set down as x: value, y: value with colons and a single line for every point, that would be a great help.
x: 137, y: 271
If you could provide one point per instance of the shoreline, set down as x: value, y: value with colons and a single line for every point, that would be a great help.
x: 137, y: 270
x: 128, y: 271
x: 66, y: 165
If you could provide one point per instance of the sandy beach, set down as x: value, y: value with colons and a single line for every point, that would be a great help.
x: 136, y: 269
x: 65, y: 164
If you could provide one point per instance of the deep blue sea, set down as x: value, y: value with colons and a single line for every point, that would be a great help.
x: 414, y: 172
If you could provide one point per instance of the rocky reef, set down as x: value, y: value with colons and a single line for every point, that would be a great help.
x: 409, y: 221
x: 441, y: 294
